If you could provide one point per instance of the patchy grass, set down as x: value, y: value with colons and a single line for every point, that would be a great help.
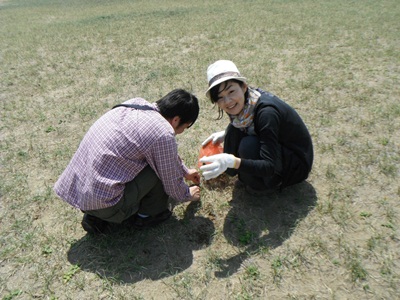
x: 63, y: 64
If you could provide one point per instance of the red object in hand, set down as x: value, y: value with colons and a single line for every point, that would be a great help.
x: 208, y: 150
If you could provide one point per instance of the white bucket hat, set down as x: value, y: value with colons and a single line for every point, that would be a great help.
x: 220, y: 71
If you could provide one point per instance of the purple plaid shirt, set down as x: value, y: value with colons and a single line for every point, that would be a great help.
x: 115, y: 149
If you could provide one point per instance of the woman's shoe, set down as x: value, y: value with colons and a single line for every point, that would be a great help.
x: 259, y: 193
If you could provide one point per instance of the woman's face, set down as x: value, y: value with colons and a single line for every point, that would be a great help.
x: 231, y: 97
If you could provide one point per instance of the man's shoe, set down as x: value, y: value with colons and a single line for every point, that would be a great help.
x: 93, y: 225
x: 142, y: 223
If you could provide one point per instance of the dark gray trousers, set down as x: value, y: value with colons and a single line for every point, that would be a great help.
x: 145, y: 194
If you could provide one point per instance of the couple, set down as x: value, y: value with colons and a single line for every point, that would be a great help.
x: 127, y: 165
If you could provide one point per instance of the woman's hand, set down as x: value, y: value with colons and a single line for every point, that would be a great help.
x: 216, y: 138
x: 218, y: 164
x: 193, y: 175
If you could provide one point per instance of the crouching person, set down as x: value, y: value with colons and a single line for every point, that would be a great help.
x: 127, y: 165
x: 266, y: 143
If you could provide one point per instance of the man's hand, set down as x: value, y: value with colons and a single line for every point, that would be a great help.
x: 216, y: 138
x: 195, y: 193
x: 218, y: 164
x: 193, y: 175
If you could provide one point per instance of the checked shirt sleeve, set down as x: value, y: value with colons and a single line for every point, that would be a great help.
x: 164, y: 159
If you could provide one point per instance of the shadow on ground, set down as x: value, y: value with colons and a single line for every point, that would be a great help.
x: 255, y: 223
x: 129, y: 256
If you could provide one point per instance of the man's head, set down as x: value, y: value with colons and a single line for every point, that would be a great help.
x: 180, y: 108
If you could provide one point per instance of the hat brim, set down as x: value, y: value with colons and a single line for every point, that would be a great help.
x: 242, y: 79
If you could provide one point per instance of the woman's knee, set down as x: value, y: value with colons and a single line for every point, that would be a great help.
x: 249, y: 147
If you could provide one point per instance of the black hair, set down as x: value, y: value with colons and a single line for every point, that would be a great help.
x: 179, y: 103
x: 214, y: 92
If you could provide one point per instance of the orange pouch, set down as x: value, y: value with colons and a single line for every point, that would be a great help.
x: 208, y: 150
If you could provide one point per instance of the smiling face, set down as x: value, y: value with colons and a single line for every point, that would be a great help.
x: 231, y: 97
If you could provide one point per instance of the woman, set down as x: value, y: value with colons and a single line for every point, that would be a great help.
x: 266, y: 143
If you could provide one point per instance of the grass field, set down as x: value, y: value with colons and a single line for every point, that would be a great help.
x: 65, y: 63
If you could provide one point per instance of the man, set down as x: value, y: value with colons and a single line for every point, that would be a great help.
x: 127, y: 165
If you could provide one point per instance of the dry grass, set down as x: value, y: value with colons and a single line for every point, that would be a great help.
x: 336, y: 236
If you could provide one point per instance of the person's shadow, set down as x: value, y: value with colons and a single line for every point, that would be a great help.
x: 257, y: 223
x: 128, y: 256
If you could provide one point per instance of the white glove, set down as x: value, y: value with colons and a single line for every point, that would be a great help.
x: 218, y: 164
x: 216, y: 137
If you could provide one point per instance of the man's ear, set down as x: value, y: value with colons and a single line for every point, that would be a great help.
x: 175, y: 121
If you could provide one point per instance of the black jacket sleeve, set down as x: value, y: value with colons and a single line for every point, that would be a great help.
x: 280, y: 128
x: 268, y: 120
